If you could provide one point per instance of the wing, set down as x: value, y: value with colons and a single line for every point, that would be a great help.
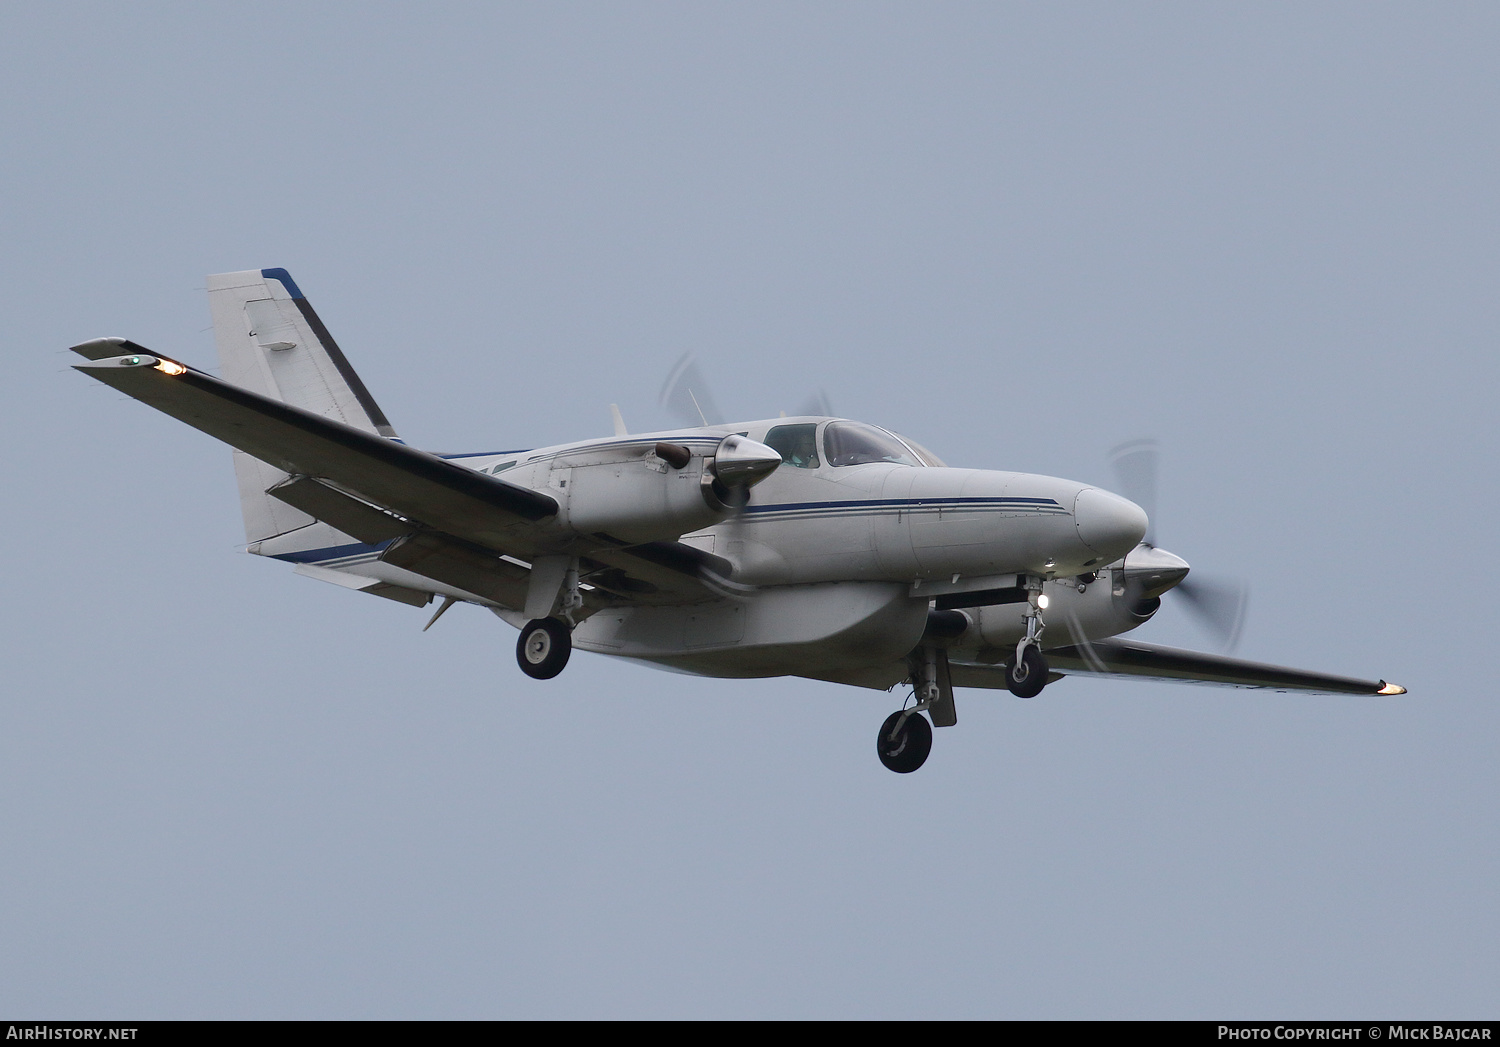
x: 457, y: 526
x: 404, y: 480
x: 1152, y: 661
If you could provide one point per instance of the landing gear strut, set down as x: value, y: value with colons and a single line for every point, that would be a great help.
x: 1027, y: 672
x: 904, y: 742
x: 543, y: 648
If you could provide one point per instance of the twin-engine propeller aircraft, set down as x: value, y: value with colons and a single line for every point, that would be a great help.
x: 808, y: 546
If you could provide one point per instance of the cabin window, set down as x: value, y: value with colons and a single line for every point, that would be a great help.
x: 853, y: 443
x: 797, y: 444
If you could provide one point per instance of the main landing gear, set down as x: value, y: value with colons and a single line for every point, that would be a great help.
x: 546, y: 641
x: 905, y: 738
x: 904, y: 742
x: 543, y: 648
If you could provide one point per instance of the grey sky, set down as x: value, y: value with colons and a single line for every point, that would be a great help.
x: 1264, y: 234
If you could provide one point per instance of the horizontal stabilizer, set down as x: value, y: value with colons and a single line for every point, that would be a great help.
x: 373, y: 586
x: 355, y: 518
x: 462, y: 567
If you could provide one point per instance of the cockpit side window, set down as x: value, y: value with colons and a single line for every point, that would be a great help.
x: 797, y: 444
x: 851, y: 443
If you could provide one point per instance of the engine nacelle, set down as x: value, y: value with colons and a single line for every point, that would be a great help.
x: 1106, y: 607
x: 655, y: 492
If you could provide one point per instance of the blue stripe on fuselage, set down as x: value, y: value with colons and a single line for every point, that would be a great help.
x: 876, y: 504
x: 1050, y: 505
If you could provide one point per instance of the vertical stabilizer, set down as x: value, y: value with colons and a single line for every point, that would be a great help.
x: 272, y: 342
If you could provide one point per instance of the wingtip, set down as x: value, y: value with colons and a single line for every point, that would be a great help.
x: 133, y: 361
x: 104, y: 348
x: 1390, y: 688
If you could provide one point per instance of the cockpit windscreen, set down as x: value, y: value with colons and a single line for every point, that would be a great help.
x: 853, y: 443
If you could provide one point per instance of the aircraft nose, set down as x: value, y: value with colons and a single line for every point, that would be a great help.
x: 1108, y: 524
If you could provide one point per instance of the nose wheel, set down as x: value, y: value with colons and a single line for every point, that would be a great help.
x: 904, y: 742
x: 1027, y: 672
x: 543, y: 648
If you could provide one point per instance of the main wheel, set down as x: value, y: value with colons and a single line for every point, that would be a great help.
x: 906, y: 749
x: 1027, y: 677
x: 543, y: 648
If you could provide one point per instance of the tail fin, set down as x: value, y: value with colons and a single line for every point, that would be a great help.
x: 272, y: 342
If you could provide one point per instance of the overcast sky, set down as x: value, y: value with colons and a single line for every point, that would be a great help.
x: 1265, y: 235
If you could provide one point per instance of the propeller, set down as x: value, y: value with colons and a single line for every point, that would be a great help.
x: 686, y: 398
x: 1135, y: 465
x: 739, y: 463
x: 816, y: 404
x: 685, y: 395
x: 1218, y: 604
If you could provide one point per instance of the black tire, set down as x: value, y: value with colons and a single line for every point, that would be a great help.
x: 1027, y: 678
x: 543, y: 648
x: 908, y: 750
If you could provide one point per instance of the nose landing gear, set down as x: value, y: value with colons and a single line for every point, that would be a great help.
x: 1027, y: 673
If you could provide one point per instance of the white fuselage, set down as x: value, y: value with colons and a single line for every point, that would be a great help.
x: 840, y: 561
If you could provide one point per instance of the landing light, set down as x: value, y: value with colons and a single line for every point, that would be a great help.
x: 170, y: 367
x: 1042, y: 601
